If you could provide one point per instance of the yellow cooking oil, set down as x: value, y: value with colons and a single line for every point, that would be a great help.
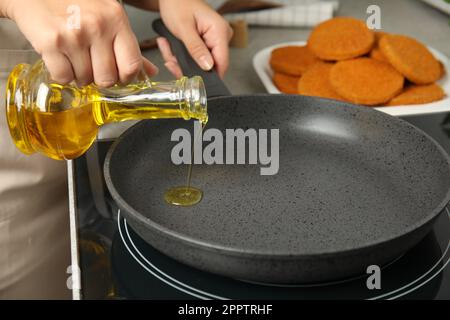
x: 67, y: 134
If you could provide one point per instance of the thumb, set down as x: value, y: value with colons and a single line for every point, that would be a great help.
x: 198, y: 50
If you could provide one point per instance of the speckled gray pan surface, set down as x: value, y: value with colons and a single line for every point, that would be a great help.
x: 351, y: 181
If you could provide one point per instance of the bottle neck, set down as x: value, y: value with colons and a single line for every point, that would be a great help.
x: 184, y: 98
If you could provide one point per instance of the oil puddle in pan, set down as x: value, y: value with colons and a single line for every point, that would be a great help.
x: 186, y: 196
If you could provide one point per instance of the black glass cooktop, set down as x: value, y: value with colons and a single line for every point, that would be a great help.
x: 117, y: 264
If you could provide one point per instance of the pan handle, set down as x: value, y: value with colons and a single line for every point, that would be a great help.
x: 214, y: 85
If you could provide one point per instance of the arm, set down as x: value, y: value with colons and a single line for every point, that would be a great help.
x: 202, y: 30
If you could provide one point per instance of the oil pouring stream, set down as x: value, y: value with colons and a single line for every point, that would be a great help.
x: 186, y: 195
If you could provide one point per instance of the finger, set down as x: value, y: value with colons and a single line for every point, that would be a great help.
x: 171, y: 62
x: 59, y: 67
x: 166, y: 50
x: 82, y: 67
x: 218, y: 43
x: 174, y: 69
x: 197, y: 49
x: 221, y: 54
x: 128, y: 55
x: 104, y: 67
x: 149, y: 68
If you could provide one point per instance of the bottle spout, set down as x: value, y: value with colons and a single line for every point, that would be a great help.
x: 195, y: 98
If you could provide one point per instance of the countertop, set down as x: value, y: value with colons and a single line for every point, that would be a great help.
x: 409, y: 17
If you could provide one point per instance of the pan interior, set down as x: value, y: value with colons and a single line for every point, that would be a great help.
x: 347, y: 177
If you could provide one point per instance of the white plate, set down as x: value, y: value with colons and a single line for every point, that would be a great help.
x: 262, y: 67
x: 439, y: 4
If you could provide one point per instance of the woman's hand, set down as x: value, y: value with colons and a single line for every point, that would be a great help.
x: 202, y: 30
x: 101, y: 48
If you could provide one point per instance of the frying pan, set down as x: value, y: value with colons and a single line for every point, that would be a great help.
x: 355, y: 187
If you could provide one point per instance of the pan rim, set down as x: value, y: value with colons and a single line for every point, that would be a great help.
x: 233, y: 251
